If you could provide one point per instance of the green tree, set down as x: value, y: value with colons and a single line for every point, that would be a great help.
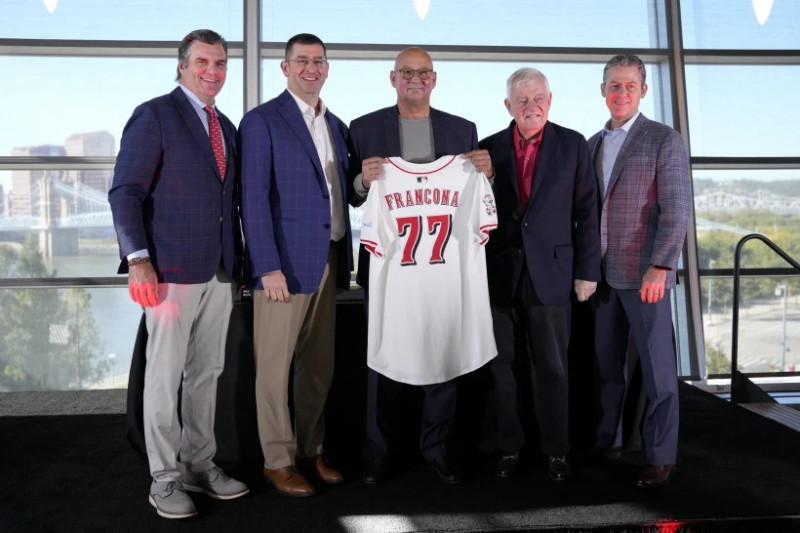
x: 84, y: 347
x: 717, y: 362
x: 27, y: 335
x: 48, y: 337
x: 717, y: 248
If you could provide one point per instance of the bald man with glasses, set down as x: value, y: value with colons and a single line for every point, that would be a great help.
x: 418, y: 133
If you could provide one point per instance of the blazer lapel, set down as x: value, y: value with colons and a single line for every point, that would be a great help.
x: 505, y: 161
x: 546, y: 148
x: 391, y: 127
x: 291, y: 113
x: 632, y: 140
x: 594, y: 148
x: 195, y: 125
x: 440, y: 134
x: 503, y: 158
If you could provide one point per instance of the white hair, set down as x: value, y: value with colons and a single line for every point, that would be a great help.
x: 525, y: 76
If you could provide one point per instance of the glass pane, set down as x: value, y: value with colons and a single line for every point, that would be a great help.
x: 127, y: 21
x: 5, y: 186
x: 474, y: 90
x: 727, y: 118
x: 680, y: 322
x: 66, y: 339
x: 732, y: 203
x: 551, y: 23
x: 58, y: 225
x: 45, y: 119
x: 769, y: 311
x: 740, y: 24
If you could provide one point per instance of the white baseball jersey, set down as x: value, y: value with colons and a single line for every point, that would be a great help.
x: 425, y: 226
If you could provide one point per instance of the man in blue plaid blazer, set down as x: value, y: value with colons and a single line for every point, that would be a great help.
x: 294, y: 186
x: 172, y: 200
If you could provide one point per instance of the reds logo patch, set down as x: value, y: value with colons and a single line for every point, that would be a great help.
x: 488, y: 203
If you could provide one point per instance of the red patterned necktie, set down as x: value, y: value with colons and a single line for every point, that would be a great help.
x: 215, y: 134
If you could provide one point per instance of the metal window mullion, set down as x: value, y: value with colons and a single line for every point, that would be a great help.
x: 696, y: 340
x: 252, y: 61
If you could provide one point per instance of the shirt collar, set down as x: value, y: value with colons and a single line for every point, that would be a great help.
x: 521, y: 143
x: 625, y: 127
x: 196, y: 102
x: 306, y: 109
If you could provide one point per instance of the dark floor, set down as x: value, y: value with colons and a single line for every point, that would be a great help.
x: 737, y: 472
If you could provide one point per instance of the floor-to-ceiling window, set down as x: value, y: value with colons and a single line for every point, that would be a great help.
x: 76, y: 70
x: 742, y: 80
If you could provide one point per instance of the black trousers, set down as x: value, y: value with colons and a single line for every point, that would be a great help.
x: 540, y: 333
x: 389, y: 412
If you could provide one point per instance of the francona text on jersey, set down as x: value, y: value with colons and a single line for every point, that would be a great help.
x: 425, y: 196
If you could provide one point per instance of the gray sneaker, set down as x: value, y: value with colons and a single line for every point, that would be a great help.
x: 170, y: 500
x: 215, y: 483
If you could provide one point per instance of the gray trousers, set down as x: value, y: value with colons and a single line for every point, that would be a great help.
x: 186, y: 345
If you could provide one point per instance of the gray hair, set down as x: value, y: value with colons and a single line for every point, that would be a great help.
x: 525, y: 76
x: 204, y: 36
x: 626, y: 60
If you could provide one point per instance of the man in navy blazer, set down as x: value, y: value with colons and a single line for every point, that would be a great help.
x: 294, y: 186
x: 172, y: 200
x: 415, y: 131
x: 546, y: 246
x: 645, y: 194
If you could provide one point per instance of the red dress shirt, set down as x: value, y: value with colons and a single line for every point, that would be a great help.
x: 526, y: 153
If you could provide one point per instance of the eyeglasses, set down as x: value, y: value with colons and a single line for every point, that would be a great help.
x: 409, y: 73
x: 305, y: 62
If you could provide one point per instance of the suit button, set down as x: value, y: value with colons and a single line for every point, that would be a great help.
x: 326, y: 226
x: 524, y: 224
x: 220, y: 220
x: 325, y: 196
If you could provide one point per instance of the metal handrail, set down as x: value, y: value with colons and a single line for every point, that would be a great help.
x: 736, y: 279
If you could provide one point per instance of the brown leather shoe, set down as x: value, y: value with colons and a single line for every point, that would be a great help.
x: 654, y: 476
x: 289, y: 481
x: 324, y: 470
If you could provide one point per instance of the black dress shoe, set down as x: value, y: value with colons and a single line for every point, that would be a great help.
x: 654, y: 476
x: 507, y: 465
x: 375, y: 470
x: 446, y: 470
x: 558, y: 468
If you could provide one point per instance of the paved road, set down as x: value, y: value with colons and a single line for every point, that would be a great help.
x: 761, y: 330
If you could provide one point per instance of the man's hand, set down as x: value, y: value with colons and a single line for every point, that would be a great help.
x: 275, y: 286
x: 482, y: 161
x: 653, y: 283
x: 584, y: 289
x: 371, y: 169
x: 143, y: 284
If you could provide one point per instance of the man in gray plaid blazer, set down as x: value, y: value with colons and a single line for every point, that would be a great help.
x: 645, y: 197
